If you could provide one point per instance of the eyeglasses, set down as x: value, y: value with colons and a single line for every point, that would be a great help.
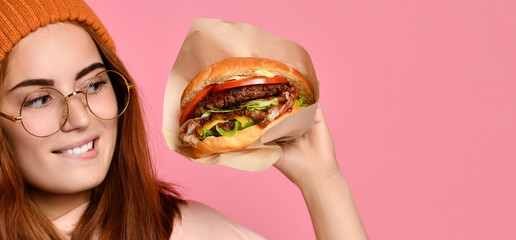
x: 44, y: 111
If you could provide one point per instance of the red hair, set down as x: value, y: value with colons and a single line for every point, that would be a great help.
x: 131, y: 203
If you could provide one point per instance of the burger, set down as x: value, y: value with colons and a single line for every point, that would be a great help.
x: 230, y: 104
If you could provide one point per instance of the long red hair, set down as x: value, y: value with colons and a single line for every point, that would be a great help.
x: 131, y: 203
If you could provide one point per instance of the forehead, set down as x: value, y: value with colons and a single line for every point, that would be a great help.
x: 56, y: 51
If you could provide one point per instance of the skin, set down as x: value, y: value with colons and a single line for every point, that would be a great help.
x: 58, y: 182
x: 309, y: 162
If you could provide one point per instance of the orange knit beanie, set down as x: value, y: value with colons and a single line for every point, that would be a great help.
x: 20, y: 17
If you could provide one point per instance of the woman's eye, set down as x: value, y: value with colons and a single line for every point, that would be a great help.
x: 96, y: 85
x: 38, y: 102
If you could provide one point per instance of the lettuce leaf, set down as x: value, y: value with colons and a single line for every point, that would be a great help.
x: 221, y: 131
x: 238, y: 126
x: 250, y: 122
x: 261, y: 105
x: 302, y: 102
x: 206, y: 133
x: 252, y: 105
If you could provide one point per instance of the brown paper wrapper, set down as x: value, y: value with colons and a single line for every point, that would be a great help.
x: 211, y: 40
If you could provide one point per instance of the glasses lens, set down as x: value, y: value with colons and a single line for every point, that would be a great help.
x: 43, y: 112
x: 108, y: 95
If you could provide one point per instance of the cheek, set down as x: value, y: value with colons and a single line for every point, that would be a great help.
x: 30, y: 153
x: 104, y: 104
x: 15, y: 133
x: 110, y: 127
x: 19, y: 138
x: 108, y: 139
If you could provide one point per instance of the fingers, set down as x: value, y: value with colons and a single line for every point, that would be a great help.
x: 320, y: 126
x: 319, y: 114
x: 318, y: 131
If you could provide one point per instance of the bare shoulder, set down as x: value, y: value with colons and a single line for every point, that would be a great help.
x: 199, y: 221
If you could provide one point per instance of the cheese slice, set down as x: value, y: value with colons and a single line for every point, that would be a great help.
x: 242, y: 119
x: 212, y: 123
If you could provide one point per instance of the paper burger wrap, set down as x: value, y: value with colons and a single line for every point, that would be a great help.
x: 211, y: 40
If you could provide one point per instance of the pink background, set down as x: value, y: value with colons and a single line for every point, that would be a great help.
x: 420, y: 98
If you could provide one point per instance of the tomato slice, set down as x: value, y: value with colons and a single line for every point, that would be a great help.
x: 190, y: 107
x: 248, y: 81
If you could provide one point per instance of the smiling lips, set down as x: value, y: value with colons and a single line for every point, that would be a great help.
x: 78, y: 150
x: 86, y: 150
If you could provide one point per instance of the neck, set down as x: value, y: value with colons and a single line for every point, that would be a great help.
x: 55, y: 205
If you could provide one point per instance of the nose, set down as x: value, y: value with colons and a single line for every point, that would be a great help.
x: 79, y: 116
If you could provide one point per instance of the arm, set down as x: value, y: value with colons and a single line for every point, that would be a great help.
x: 310, y: 163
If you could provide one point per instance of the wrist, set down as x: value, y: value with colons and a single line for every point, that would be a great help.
x: 323, y: 183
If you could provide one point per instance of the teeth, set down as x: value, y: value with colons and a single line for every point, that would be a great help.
x: 78, y: 150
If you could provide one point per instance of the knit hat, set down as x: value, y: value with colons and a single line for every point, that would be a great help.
x: 20, y: 17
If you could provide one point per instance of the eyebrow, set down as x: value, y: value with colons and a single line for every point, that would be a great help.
x: 89, y: 69
x: 50, y: 82
x: 33, y: 82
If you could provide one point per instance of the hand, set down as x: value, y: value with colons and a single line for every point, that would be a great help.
x: 310, y: 157
x: 310, y: 163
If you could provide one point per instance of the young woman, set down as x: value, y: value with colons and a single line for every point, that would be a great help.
x: 74, y: 158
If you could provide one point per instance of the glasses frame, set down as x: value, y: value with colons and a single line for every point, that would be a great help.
x: 65, y: 114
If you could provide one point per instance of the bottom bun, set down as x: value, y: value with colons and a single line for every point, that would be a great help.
x: 240, y: 140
